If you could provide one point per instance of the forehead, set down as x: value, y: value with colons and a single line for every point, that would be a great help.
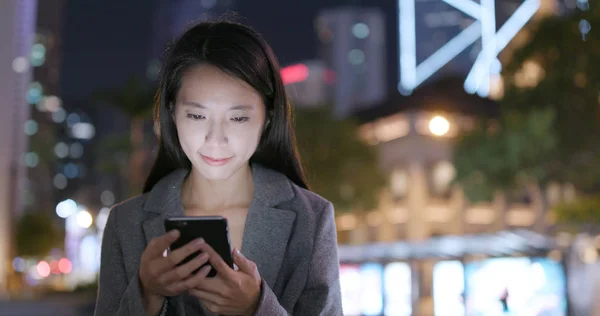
x: 209, y: 86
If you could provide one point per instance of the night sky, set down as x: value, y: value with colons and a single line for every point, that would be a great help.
x: 105, y: 42
x: 289, y: 25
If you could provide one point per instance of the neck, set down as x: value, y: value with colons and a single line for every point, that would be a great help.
x: 213, y: 196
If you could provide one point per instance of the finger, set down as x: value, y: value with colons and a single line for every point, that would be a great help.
x: 217, y: 262
x: 174, y: 289
x: 210, y: 297
x: 196, y: 279
x: 176, y: 256
x: 216, y: 285
x: 214, y: 302
x: 244, y: 264
x: 164, y: 264
x: 183, y: 271
x: 158, y: 245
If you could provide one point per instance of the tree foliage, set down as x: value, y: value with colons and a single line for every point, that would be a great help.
x: 569, y: 84
x: 507, y: 155
x: 134, y: 99
x: 584, y: 210
x: 124, y: 154
x: 37, y: 234
x: 340, y: 166
x: 550, y: 122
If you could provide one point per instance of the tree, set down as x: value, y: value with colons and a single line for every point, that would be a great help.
x: 37, y: 234
x: 558, y: 69
x: 512, y: 153
x: 135, y: 100
x: 582, y: 211
x: 341, y: 167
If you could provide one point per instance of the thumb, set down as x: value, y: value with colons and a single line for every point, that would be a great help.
x: 243, y: 263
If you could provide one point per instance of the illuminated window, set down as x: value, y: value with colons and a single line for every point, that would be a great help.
x: 442, y: 175
x: 399, y: 183
x: 356, y: 56
x: 391, y: 128
x: 360, y: 30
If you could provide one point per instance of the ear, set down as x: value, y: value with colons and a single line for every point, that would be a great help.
x: 267, y: 120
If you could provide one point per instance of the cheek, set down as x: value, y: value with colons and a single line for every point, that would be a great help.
x: 246, y: 137
x: 191, y: 136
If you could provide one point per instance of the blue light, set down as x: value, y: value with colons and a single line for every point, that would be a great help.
x: 34, y: 93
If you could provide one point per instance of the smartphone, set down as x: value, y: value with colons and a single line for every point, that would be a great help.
x: 213, y: 229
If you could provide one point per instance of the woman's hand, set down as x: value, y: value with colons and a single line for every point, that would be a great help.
x: 230, y: 292
x: 160, y: 276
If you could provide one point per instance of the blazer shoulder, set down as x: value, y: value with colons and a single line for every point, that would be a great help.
x: 129, y: 208
x: 310, y: 201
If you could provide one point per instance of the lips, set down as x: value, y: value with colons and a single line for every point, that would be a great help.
x: 215, y: 161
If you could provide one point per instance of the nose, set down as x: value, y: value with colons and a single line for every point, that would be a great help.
x: 216, y: 136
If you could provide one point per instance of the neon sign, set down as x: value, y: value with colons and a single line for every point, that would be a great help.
x: 493, y: 41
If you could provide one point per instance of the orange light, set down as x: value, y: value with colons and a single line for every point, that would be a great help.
x: 43, y: 269
x: 294, y: 73
x: 65, y: 266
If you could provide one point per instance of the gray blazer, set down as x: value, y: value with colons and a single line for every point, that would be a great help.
x: 290, y: 234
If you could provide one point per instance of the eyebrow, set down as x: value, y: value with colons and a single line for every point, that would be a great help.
x: 235, y: 107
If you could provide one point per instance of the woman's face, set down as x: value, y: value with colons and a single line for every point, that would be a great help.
x: 219, y: 121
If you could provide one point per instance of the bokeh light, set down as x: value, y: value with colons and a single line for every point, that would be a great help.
x: 439, y: 126
x: 66, y: 208
x: 84, y: 219
x: 43, y: 269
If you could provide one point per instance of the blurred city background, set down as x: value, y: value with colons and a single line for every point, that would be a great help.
x: 458, y: 140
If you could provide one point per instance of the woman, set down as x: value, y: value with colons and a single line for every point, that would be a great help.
x: 227, y: 148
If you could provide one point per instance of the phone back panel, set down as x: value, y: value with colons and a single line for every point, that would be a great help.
x: 213, y: 229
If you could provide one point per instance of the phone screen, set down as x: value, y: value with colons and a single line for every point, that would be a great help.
x: 213, y: 229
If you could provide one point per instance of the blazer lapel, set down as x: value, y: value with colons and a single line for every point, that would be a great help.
x: 265, y: 238
x: 268, y: 227
x: 163, y: 201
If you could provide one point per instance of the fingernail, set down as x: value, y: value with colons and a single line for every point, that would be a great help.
x: 237, y: 252
x: 198, y: 241
x: 174, y: 233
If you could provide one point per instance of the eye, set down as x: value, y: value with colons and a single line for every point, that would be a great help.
x: 240, y: 119
x: 195, y: 117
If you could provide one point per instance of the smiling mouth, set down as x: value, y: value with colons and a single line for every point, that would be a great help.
x: 215, y: 161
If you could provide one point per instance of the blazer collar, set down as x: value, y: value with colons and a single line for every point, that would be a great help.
x: 270, y: 189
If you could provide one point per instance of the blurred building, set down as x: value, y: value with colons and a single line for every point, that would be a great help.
x: 173, y: 17
x: 47, y: 113
x: 423, y: 217
x: 309, y: 83
x: 352, y: 44
x: 17, y: 33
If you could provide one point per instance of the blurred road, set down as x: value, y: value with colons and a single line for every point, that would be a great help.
x: 64, y: 306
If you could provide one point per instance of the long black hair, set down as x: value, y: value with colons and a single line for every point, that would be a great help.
x: 241, y: 52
